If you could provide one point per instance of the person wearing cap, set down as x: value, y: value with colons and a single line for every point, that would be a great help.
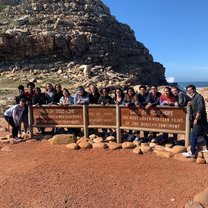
x: 13, y: 117
x: 81, y: 97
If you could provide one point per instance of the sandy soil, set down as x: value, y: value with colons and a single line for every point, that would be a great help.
x: 40, y: 175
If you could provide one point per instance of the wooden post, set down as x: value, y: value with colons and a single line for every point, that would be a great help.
x: 30, y: 121
x: 187, y: 136
x: 118, y: 124
x: 85, y: 120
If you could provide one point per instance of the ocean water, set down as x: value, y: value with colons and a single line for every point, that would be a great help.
x: 183, y: 85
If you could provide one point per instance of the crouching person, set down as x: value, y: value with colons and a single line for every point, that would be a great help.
x: 13, y: 117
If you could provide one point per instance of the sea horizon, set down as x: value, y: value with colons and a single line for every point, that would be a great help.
x: 198, y: 84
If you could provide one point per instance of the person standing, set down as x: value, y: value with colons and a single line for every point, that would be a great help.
x: 81, y: 97
x: 93, y: 94
x: 24, y: 118
x: 58, y: 94
x: 49, y: 94
x: 66, y: 99
x: 119, y: 96
x: 131, y: 100
x: 181, y: 101
x: 168, y: 99
x: 105, y: 98
x: 181, y: 98
x: 153, y: 100
x: 198, y: 118
x: 143, y: 100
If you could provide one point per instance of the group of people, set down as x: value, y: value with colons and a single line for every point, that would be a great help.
x: 146, y: 98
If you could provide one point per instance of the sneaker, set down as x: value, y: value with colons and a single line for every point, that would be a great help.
x: 204, y: 151
x: 137, y: 138
x: 130, y: 137
x: 155, y: 140
x: 188, y: 154
x: 16, y: 139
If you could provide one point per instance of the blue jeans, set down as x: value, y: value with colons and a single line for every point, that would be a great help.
x: 194, y: 141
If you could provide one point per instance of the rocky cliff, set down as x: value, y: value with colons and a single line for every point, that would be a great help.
x: 73, y: 34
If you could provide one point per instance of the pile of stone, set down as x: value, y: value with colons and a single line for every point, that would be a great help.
x: 74, y: 74
x: 166, y: 151
x: 65, y: 35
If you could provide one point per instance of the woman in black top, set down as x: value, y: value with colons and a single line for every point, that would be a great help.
x: 94, y: 95
x: 105, y: 99
x: 58, y: 93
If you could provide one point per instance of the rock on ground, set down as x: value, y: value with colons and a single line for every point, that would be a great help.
x: 62, y: 139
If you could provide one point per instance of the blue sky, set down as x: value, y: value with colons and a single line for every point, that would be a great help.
x: 174, y: 31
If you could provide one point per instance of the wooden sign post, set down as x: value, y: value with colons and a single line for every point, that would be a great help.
x: 163, y: 119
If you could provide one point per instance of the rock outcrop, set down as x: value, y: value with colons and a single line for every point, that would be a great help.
x: 40, y: 34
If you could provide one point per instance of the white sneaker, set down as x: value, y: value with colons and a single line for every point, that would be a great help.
x: 204, y: 151
x: 137, y: 138
x: 188, y: 154
x: 130, y: 137
x: 16, y: 139
x: 155, y: 140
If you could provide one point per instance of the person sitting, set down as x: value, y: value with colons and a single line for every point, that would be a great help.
x: 13, y: 117
x: 119, y: 96
x: 198, y: 119
x: 81, y: 97
x: 93, y: 94
x: 105, y: 99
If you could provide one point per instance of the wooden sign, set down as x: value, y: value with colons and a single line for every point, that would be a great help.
x: 57, y: 115
x: 102, y: 116
x: 162, y: 118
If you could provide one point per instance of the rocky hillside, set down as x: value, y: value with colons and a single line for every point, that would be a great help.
x: 73, y: 35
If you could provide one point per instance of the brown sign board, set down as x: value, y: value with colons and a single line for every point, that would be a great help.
x: 101, y: 116
x: 173, y: 119
x: 57, y: 115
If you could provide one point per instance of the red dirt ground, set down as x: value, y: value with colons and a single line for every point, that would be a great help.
x: 39, y: 175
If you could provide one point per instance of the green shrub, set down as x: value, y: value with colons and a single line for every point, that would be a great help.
x: 2, y: 7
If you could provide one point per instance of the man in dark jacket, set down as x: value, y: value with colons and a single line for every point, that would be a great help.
x: 198, y: 117
x: 181, y: 98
